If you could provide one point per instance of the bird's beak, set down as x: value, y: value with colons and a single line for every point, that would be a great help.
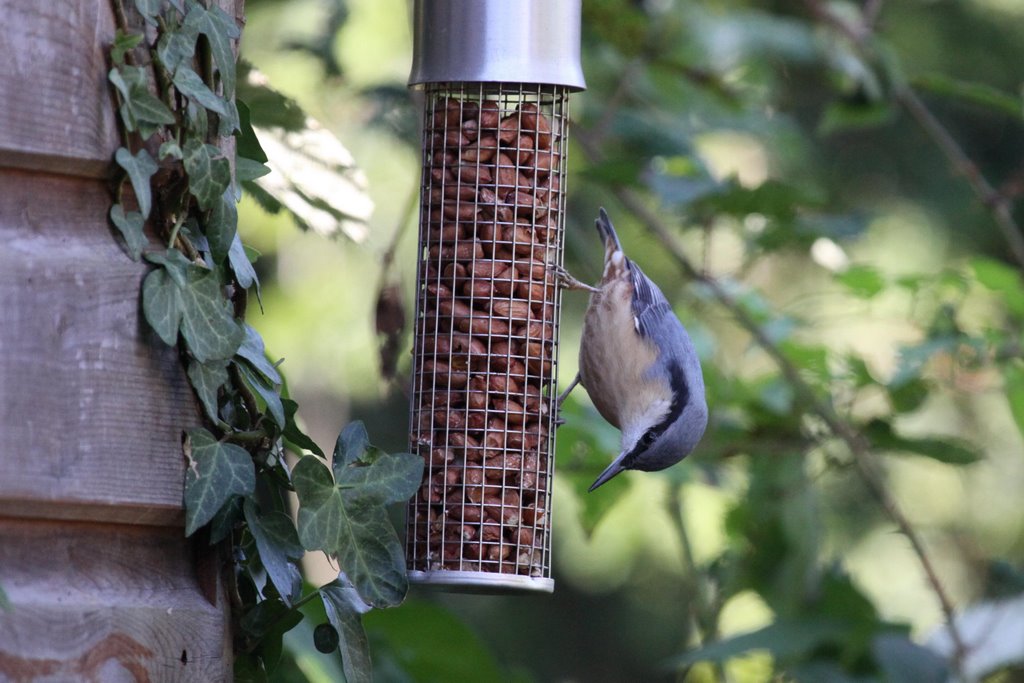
x: 609, y: 471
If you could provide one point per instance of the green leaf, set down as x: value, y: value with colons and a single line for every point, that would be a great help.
x: 295, y: 438
x: 162, y: 305
x: 171, y: 149
x: 176, y: 263
x: 253, y: 351
x: 268, y: 107
x: 783, y: 639
x: 425, y: 652
x: 1002, y: 278
x: 392, y: 478
x: 351, y: 445
x: 217, y: 471
x: 279, y: 548
x: 177, y: 47
x: 269, y: 394
x: 130, y: 224
x: 1013, y: 382
x: 207, y: 379
x: 141, y: 105
x: 207, y: 323
x: 949, y: 450
x: 191, y: 85
x: 248, y: 145
x: 149, y: 9
x: 249, y: 169
x: 975, y: 93
x: 355, y: 528
x: 208, y: 174
x: 326, y: 639
x: 267, y: 623
x: 223, y: 523
x: 140, y: 167
x: 219, y: 30
x: 344, y: 607
x: 242, y: 267
x: 221, y: 227
x: 863, y: 281
x: 848, y: 115
x: 123, y: 43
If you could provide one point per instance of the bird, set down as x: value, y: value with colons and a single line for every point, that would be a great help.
x: 638, y: 364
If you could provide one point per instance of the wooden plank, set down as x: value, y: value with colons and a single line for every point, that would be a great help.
x: 92, y: 403
x: 56, y: 109
x: 96, y: 602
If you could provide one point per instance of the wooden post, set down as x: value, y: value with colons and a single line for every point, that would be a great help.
x: 102, y: 583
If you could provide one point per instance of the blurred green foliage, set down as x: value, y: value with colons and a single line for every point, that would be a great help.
x: 833, y: 266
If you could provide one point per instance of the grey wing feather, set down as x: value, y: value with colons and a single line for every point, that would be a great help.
x: 648, y: 301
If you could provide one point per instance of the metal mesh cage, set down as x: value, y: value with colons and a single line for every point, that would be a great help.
x: 485, y: 350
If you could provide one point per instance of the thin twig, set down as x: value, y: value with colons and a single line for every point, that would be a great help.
x: 858, y: 446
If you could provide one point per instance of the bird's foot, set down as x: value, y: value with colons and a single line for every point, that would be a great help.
x: 569, y: 282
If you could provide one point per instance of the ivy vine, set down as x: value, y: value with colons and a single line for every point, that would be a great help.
x: 174, y: 75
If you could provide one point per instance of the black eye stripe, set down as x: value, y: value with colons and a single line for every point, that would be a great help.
x: 680, y: 394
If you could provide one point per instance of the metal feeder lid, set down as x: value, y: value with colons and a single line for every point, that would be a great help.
x: 497, y: 41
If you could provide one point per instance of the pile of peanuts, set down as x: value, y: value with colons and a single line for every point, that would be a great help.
x: 485, y: 338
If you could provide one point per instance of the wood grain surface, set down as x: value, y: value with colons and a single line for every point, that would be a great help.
x: 56, y: 109
x: 99, y: 602
x: 92, y: 403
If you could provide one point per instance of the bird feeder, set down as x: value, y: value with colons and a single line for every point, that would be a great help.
x: 496, y: 76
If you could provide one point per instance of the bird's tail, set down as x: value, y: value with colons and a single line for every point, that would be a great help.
x: 608, y: 236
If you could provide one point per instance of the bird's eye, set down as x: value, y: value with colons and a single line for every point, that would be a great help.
x: 648, y: 438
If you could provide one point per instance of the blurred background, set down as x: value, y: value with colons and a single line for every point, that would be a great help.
x: 841, y: 179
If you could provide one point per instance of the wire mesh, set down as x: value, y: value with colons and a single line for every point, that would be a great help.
x: 485, y: 350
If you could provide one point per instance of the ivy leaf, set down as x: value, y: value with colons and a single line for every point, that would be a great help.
x: 270, y: 395
x: 240, y: 264
x: 162, y: 305
x: 248, y: 145
x: 207, y: 379
x: 176, y: 263
x: 267, y: 623
x: 140, y: 167
x: 123, y: 43
x: 217, y: 471
x: 295, y: 437
x: 219, y: 30
x: 249, y: 169
x: 206, y: 322
x: 252, y: 350
x: 149, y: 9
x: 392, y: 478
x: 171, y: 149
x: 130, y: 224
x: 191, y: 85
x: 344, y: 607
x: 354, y: 528
x: 208, y: 175
x: 223, y: 523
x: 177, y: 47
x: 221, y: 227
x: 278, y: 545
x: 351, y: 445
x: 139, y: 103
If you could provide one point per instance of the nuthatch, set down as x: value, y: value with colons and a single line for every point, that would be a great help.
x: 638, y: 365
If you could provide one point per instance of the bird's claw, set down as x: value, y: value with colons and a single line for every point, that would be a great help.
x: 569, y: 282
